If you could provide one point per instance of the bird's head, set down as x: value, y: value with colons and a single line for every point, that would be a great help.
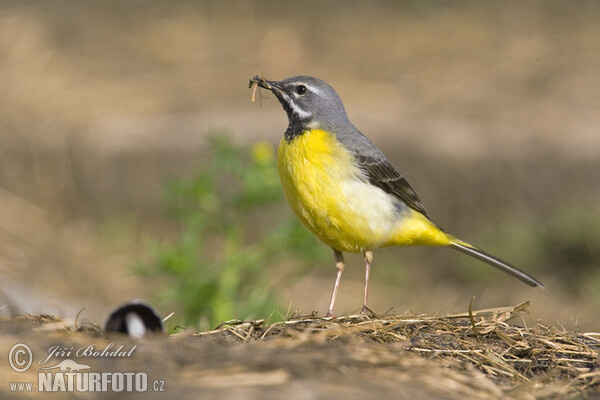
x: 309, y: 102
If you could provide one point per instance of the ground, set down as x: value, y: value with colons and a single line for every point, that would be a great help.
x: 481, y: 354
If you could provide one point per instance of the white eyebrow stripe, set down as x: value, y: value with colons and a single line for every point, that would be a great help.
x: 315, y: 89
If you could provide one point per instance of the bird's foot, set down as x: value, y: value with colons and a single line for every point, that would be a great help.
x: 368, y: 312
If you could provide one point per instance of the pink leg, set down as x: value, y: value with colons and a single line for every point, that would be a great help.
x: 339, y: 264
x: 368, y: 261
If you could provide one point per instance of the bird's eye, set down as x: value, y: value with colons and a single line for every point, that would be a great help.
x: 301, y: 89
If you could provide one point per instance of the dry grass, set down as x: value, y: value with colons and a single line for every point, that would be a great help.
x: 482, y: 345
x: 476, y: 354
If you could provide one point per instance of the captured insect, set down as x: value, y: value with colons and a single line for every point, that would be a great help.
x: 257, y: 82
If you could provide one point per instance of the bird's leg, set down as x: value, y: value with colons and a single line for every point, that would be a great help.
x: 368, y: 261
x: 339, y: 264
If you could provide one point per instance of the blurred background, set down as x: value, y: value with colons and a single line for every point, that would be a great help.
x: 133, y: 163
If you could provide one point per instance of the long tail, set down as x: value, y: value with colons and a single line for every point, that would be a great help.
x: 479, y: 254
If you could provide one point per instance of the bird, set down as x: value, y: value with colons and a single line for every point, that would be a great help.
x: 134, y: 318
x: 343, y: 188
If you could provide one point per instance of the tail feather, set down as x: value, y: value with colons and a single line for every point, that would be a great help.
x: 473, y: 251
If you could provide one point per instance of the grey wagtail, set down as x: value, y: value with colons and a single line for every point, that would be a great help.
x: 344, y: 190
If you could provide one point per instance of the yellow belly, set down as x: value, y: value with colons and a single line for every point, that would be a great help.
x: 329, y: 194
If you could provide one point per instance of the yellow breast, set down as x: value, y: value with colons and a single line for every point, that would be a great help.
x: 330, y: 195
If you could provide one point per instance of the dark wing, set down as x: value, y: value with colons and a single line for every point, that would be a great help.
x: 382, y: 174
x: 376, y: 167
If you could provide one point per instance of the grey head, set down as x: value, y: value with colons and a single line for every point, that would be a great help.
x: 309, y: 103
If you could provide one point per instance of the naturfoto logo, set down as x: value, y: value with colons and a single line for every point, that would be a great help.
x: 68, y: 375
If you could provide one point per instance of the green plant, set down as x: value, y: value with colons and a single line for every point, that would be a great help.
x: 233, y: 238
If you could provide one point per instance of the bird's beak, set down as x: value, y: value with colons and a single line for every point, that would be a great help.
x: 263, y: 83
